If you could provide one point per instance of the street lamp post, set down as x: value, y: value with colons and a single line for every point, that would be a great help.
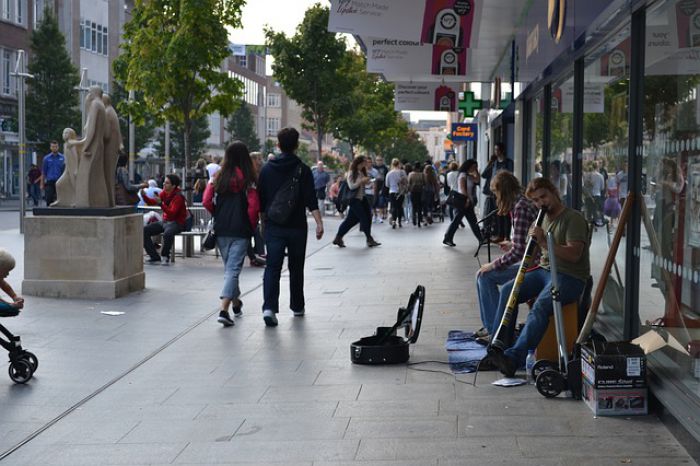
x: 167, y: 147
x: 83, y: 90
x: 132, y: 140
x: 21, y: 76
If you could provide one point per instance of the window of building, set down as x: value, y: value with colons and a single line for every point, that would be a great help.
x: 99, y: 39
x: 6, y: 69
x: 273, y: 126
x: 5, y: 10
x: 273, y: 100
x: 669, y: 252
x: 562, y: 136
x: 105, y: 41
x: 82, y: 33
x: 93, y: 36
x: 19, y: 12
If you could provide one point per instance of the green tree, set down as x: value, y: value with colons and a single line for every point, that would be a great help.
x: 309, y: 67
x: 241, y: 126
x: 198, y: 139
x: 145, y: 132
x: 402, y: 143
x: 52, y: 99
x: 269, y: 147
x: 172, y: 52
x: 361, y: 114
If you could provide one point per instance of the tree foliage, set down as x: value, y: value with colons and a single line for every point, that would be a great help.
x: 172, y: 52
x: 241, y: 126
x: 145, y: 131
x: 360, y: 115
x: 401, y: 142
x: 198, y: 140
x: 309, y: 67
x: 52, y: 100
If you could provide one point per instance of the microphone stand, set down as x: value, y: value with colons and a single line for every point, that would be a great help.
x: 486, y: 241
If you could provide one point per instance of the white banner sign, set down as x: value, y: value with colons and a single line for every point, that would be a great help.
x: 400, y: 60
x: 399, y: 19
x: 593, y: 98
x: 425, y: 96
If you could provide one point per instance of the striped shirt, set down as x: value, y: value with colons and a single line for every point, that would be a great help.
x: 523, y: 215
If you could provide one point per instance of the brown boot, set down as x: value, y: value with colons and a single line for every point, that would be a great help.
x: 372, y: 243
x: 338, y: 241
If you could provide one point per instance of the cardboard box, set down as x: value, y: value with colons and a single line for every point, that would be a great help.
x: 615, y: 401
x: 613, y: 365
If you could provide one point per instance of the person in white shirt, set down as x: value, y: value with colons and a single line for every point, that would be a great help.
x: 213, y: 167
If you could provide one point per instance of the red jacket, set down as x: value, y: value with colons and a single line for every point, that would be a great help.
x: 236, y: 185
x: 172, y: 204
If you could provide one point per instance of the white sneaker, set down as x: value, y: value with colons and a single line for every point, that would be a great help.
x: 299, y: 313
x: 270, y: 318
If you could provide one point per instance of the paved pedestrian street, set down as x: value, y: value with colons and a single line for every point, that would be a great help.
x: 164, y: 383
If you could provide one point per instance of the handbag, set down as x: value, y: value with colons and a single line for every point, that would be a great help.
x: 124, y: 197
x: 209, y: 241
x: 456, y: 199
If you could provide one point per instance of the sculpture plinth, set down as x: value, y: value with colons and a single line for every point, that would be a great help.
x: 89, y: 257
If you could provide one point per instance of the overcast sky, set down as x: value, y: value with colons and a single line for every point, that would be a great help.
x: 281, y: 15
x: 285, y: 15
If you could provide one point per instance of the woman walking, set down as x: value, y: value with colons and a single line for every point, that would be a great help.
x: 431, y: 187
x: 357, y: 212
x: 234, y: 203
x: 396, y: 180
x: 416, y: 180
x: 467, y: 181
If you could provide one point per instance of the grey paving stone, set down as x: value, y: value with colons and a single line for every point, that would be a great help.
x: 386, y: 409
x: 263, y: 451
x: 430, y: 449
x: 313, y: 393
x: 90, y: 455
x: 413, y: 427
x: 413, y: 391
x: 313, y: 409
x: 591, y: 447
x: 292, y: 428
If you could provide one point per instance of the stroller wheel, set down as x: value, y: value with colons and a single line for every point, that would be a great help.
x: 550, y: 383
x: 31, y: 359
x: 541, y: 366
x: 20, y: 371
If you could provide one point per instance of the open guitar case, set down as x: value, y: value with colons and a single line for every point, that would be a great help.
x: 385, y: 346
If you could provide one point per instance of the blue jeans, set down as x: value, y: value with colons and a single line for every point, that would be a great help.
x: 35, y: 193
x: 233, y: 251
x: 277, y: 240
x: 537, y: 284
x: 487, y: 284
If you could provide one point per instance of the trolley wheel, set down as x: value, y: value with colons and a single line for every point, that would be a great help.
x: 541, y: 366
x: 20, y: 371
x: 31, y: 359
x: 550, y: 383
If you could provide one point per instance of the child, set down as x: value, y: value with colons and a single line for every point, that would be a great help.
x: 7, y: 263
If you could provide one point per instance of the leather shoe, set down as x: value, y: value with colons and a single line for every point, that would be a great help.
x: 505, y: 364
x: 338, y: 241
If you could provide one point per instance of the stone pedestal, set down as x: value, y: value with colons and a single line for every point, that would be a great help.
x: 74, y: 256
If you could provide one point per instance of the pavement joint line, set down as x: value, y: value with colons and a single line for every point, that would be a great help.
x: 119, y: 377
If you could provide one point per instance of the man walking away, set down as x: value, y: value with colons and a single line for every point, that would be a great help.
x: 51, y: 170
x: 321, y: 180
x: 290, y: 235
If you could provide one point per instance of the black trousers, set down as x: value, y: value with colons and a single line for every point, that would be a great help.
x: 470, y: 215
x: 396, y: 201
x: 50, y: 192
x: 358, y: 212
x: 169, y: 230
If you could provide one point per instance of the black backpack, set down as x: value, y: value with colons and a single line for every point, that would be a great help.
x: 285, y: 200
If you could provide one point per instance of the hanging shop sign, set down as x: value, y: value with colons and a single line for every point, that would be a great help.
x: 468, y: 104
x: 425, y: 96
x: 398, y: 19
x: 400, y: 60
x: 464, y: 132
x: 451, y: 23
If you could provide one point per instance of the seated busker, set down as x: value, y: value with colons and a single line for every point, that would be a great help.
x: 571, y: 248
x: 172, y: 203
x: 509, y: 201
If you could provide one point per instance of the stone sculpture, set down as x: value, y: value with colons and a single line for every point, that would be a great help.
x: 112, y: 145
x: 65, y: 186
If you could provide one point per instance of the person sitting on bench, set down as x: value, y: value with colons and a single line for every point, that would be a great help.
x: 571, y: 248
x: 7, y: 263
x: 172, y: 203
x: 509, y: 201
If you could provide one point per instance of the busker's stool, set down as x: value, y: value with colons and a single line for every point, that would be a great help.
x: 547, y: 349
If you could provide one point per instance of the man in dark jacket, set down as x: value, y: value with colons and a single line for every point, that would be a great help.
x: 291, y: 235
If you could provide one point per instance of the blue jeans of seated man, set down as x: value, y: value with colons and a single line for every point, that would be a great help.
x: 536, y: 284
x: 233, y: 251
x: 487, y: 284
x: 277, y: 240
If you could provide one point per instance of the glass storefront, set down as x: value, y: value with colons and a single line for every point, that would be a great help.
x: 535, y: 166
x: 604, y: 183
x: 670, y: 240
x: 561, y: 136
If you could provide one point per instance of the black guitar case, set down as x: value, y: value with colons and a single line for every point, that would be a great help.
x: 385, y: 346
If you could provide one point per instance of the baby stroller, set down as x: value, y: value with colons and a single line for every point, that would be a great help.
x: 23, y: 363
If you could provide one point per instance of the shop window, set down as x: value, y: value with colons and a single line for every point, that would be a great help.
x: 670, y: 239
x: 537, y: 121
x: 562, y: 137
x: 604, y: 183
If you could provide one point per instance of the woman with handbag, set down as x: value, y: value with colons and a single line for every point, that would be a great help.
x: 464, y: 201
x: 397, y: 181
x: 357, y: 179
x: 234, y: 203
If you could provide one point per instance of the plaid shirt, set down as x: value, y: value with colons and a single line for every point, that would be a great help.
x: 523, y: 215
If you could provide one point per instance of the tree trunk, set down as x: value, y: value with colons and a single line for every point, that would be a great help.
x: 188, y: 241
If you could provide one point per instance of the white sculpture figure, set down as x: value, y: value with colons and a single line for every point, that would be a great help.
x: 91, y: 189
x: 65, y: 186
x: 112, y: 144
